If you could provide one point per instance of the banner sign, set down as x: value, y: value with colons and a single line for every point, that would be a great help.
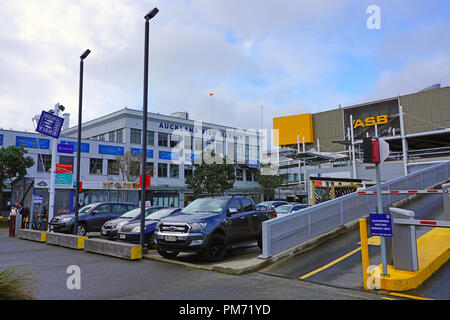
x: 65, y: 148
x: 50, y: 125
x: 380, y: 224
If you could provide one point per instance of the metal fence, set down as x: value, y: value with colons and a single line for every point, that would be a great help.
x: 288, y: 231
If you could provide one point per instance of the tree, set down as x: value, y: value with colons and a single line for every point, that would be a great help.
x: 128, y: 166
x: 269, y: 179
x: 13, y: 165
x: 211, y: 178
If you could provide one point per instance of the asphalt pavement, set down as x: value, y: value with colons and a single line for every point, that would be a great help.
x: 103, y: 277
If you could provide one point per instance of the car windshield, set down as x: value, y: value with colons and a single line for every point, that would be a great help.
x: 132, y: 213
x: 206, y: 205
x: 86, y: 208
x: 160, y: 214
x: 283, y: 209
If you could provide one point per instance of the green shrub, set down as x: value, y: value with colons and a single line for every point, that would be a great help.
x: 16, y: 285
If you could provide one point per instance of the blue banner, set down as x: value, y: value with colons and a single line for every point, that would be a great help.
x: 167, y: 155
x: 84, y: 146
x: 1, y: 139
x: 138, y: 152
x: 50, y: 124
x: 112, y: 150
x: 35, y: 143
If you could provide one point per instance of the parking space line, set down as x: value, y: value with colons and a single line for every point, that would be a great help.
x: 329, y: 264
x: 408, y: 296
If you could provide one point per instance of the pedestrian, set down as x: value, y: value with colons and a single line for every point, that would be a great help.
x: 25, y: 217
x: 43, y: 215
x: 12, y: 212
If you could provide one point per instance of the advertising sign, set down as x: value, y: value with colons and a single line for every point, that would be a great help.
x: 49, y: 124
x: 384, y: 114
x: 65, y: 148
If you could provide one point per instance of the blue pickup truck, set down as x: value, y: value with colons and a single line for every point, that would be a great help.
x: 211, y: 226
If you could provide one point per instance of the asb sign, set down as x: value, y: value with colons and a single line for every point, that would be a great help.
x: 49, y: 124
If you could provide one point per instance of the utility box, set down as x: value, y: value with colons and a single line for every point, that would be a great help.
x: 446, y: 200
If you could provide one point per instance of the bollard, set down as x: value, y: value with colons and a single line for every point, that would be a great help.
x: 404, y: 244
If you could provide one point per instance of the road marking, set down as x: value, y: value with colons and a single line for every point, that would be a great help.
x: 386, y: 298
x: 408, y: 296
x: 329, y: 264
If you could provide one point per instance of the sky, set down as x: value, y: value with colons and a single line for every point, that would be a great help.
x: 260, y: 59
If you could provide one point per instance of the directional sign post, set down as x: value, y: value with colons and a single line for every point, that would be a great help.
x: 50, y: 125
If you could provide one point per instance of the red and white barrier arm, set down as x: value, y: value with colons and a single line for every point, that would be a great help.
x: 423, y: 223
x: 399, y: 192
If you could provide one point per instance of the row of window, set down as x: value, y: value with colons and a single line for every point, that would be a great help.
x: 173, y: 140
x: 166, y: 170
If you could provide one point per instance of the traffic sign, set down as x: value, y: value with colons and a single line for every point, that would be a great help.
x: 49, y: 124
x: 380, y: 224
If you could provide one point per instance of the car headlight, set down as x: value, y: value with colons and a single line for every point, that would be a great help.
x: 136, y: 229
x: 119, y: 225
x: 197, y: 226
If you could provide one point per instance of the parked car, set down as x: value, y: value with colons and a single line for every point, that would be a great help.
x: 90, y: 217
x: 270, y: 204
x: 111, y: 227
x: 290, y: 208
x: 211, y: 226
x: 131, y: 231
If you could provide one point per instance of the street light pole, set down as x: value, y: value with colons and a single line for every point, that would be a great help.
x: 149, y: 16
x: 80, y: 108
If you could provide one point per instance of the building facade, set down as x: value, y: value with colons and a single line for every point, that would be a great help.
x: 174, y: 144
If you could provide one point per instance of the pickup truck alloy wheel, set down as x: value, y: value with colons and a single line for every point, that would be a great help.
x: 216, y: 249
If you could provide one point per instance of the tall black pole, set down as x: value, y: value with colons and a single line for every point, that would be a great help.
x: 80, y: 108
x: 144, y: 138
x: 149, y: 15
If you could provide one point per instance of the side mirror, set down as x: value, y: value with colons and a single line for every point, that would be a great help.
x: 94, y: 212
x: 232, y: 211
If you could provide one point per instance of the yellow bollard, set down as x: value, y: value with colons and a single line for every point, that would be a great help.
x: 364, y: 251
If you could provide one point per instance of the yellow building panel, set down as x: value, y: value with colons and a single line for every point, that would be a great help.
x: 290, y: 127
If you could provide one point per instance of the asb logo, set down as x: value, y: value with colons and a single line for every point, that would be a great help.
x: 370, y: 121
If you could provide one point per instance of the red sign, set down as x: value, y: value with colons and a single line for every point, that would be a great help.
x: 64, y: 168
x: 147, y: 181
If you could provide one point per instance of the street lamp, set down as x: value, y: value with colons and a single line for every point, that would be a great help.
x: 80, y: 107
x: 149, y: 16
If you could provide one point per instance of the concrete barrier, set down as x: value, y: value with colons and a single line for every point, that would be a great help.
x: 66, y: 240
x: 33, y: 235
x: 113, y: 248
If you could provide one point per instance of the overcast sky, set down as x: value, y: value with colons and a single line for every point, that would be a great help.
x: 290, y: 57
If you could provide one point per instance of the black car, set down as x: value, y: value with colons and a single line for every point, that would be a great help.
x: 211, y: 226
x: 131, y: 231
x: 112, y: 227
x: 90, y: 217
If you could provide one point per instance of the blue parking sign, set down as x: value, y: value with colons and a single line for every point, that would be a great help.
x: 380, y: 224
x: 50, y: 125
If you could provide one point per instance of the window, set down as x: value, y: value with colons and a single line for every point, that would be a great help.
x: 44, y: 162
x: 95, y: 166
x: 248, y: 175
x: 163, y: 139
x: 239, y: 175
x: 187, y: 171
x: 66, y: 160
x: 174, y: 140
x: 162, y: 170
x: 188, y: 142
x: 149, y: 168
x: 234, y: 203
x: 118, y: 208
x: 119, y: 135
x: 198, y: 144
x: 113, y: 167
x: 174, y: 171
x: 150, y: 138
x: 247, y: 204
x: 104, y: 208
x: 135, y: 136
x: 112, y: 136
